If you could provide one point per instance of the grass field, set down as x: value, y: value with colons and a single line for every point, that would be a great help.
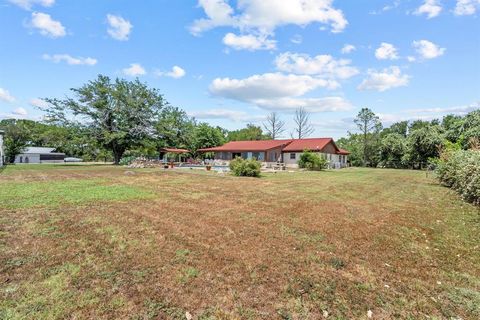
x: 92, y: 242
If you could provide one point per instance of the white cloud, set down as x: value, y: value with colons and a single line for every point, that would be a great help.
x: 386, y: 51
x: 431, y: 8
x: 70, y: 60
x: 226, y: 114
x: 428, y: 114
x: 324, y: 66
x: 20, y: 111
x: 456, y: 109
x: 335, y: 125
x: 466, y: 7
x: 277, y: 91
x: 326, y: 104
x: 348, y: 48
x: 386, y: 79
x: 386, y: 8
x: 389, y: 118
x: 427, y: 49
x: 297, y: 39
x: 119, y: 27
x: 134, y: 70
x: 264, y: 16
x: 267, y: 86
x: 6, y: 96
x: 28, y: 4
x: 219, y: 13
x: 39, y: 103
x: 389, y: 7
x: 176, y: 73
x: 47, y: 26
x: 248, y: 42
x: 411, y: 59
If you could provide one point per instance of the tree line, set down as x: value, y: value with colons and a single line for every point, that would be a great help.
x: 408, y: 144
x: 108, y: 119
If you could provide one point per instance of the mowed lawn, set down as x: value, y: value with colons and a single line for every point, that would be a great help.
x: 103, y: 242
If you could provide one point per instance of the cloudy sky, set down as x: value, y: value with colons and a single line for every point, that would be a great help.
x: 232, y: 62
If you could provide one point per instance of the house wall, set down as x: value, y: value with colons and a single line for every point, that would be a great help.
x: 328, y: 152
x: 291, y: 162
x: 32, y: 158
x: 334, y: 159
x: 329, y: 148
x: 272, y: 155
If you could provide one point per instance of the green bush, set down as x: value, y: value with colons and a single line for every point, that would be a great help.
x: 245, y: 168
x: 460, y: 170
x: 312, y: 161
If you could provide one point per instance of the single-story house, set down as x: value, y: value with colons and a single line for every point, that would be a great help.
x: 284, y: 151
x: 2, y: 152
x: 39, y: 155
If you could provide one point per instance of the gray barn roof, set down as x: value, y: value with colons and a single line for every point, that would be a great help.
x: 40, y: 150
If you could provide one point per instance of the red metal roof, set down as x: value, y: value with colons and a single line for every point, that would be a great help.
x: 174, y: 150
x: 343, y: 151
x: 290, y: 145
x: 312, y: 144
x: 256, y: 145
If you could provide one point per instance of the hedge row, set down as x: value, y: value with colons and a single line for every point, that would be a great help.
x: 460, y: 170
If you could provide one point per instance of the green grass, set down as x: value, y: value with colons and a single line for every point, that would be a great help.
x: 9, y: 170
x: 67, y: 192
x: 188, y: 274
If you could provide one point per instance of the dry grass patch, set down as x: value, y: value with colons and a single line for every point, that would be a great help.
x: 286, y: 246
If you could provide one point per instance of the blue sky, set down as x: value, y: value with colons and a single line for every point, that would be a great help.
x: 232, y: 62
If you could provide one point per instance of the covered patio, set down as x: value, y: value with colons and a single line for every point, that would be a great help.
x: 173, y: 154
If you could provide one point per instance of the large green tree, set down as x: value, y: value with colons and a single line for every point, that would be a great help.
x: 175, y: 128
x: 471, y: 129
x: 16, y: 139
x: 251, y: 132
x: 453, y: 126
x: 369, y: 125
x: 400, y: 128
x: 423, y: 144
x: 206, y: 136
x: 393, y: 147
x: 120, y: 114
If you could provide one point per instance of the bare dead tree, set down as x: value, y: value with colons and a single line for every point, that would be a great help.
x: 303, y: 126
x: 273, y: 125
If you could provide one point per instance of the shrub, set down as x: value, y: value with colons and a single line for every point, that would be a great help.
x: 245, y: 168
x: 312, y: 161
x: 460, y: 170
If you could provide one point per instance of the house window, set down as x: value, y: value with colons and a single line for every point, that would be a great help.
x: 293, y: 156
